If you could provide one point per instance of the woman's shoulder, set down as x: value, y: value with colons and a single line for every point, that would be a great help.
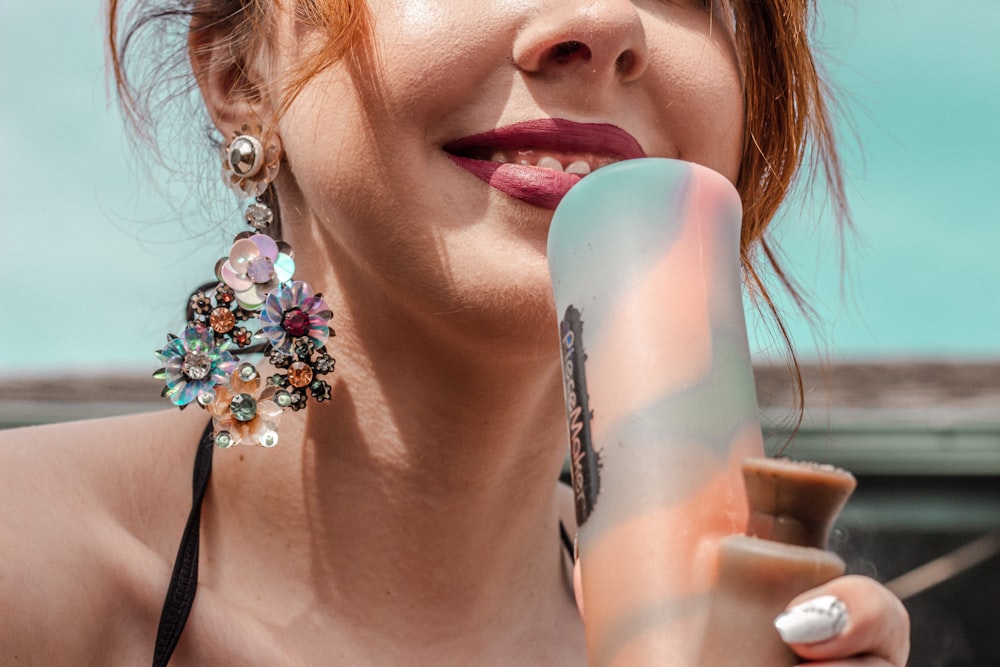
x: 123, y: 470
x: 90, y: 515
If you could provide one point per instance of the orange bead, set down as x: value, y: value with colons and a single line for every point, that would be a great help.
x: 299, y: 374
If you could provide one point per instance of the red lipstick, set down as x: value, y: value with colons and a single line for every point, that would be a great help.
x: 506, y: 158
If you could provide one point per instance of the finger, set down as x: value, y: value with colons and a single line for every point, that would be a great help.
x: 850, y: 616
x: 578, y: 586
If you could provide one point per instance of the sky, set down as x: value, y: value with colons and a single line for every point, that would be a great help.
x: 96, y: 264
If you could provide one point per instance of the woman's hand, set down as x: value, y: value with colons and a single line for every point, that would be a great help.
x: 852, y: 621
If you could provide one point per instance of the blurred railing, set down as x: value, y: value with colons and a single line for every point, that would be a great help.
x: 26, y: 400
x: 917, y: 418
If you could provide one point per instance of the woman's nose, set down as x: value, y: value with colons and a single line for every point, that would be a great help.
x: 597, y: 38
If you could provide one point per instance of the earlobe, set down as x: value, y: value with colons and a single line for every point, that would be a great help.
x: 226, y: 77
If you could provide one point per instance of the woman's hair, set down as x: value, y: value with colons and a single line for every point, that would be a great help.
x: 787, y: 124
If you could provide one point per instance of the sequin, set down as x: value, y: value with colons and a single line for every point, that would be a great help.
x: 290, y: 300
x: 248, y: 415
x: 192, y: 363
x: 256, y: 265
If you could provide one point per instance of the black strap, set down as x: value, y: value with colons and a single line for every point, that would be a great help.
x: 184, y: 580
x: 567, y: 542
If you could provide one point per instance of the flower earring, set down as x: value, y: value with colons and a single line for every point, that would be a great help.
x: 255, y: 300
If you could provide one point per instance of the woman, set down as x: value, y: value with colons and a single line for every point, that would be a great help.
x: 414, y: 517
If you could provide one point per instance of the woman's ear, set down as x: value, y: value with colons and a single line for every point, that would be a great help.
x: 228, y: 75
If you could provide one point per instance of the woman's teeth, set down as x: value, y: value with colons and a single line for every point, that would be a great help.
x: 550, y: 163
x: 531, y: 159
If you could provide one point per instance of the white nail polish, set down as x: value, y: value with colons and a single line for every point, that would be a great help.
x: 812, y: 621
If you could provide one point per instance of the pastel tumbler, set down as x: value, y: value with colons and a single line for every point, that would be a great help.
x: 660, y: 400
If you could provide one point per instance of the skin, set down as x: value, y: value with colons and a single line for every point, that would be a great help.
x: 413, y: 518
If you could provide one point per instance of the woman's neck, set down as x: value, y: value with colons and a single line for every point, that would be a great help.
x: 426, y: 483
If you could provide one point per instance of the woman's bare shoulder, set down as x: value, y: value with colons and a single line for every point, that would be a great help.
x: 90, y: 515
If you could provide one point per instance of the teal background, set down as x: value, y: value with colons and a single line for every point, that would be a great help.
x: 95, y: 264
x: 920, y: 84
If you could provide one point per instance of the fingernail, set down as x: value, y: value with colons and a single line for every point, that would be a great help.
x: 812, y: 621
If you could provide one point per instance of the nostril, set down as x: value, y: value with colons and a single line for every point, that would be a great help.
x: 625, y: 62
x: 564, y: 52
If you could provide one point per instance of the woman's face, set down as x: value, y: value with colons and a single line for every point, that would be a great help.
x: 395, y: 175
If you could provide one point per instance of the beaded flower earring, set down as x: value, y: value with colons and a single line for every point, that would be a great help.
x: 255, y: 307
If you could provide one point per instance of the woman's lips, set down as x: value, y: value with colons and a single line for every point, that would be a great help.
x: 530, y: 160
x: 534, y: 185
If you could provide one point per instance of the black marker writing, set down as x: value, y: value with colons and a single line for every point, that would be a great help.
x: 585, y: 461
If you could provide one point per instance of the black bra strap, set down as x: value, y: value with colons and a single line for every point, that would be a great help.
x: 567, y: 542
x: 184, y: 580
